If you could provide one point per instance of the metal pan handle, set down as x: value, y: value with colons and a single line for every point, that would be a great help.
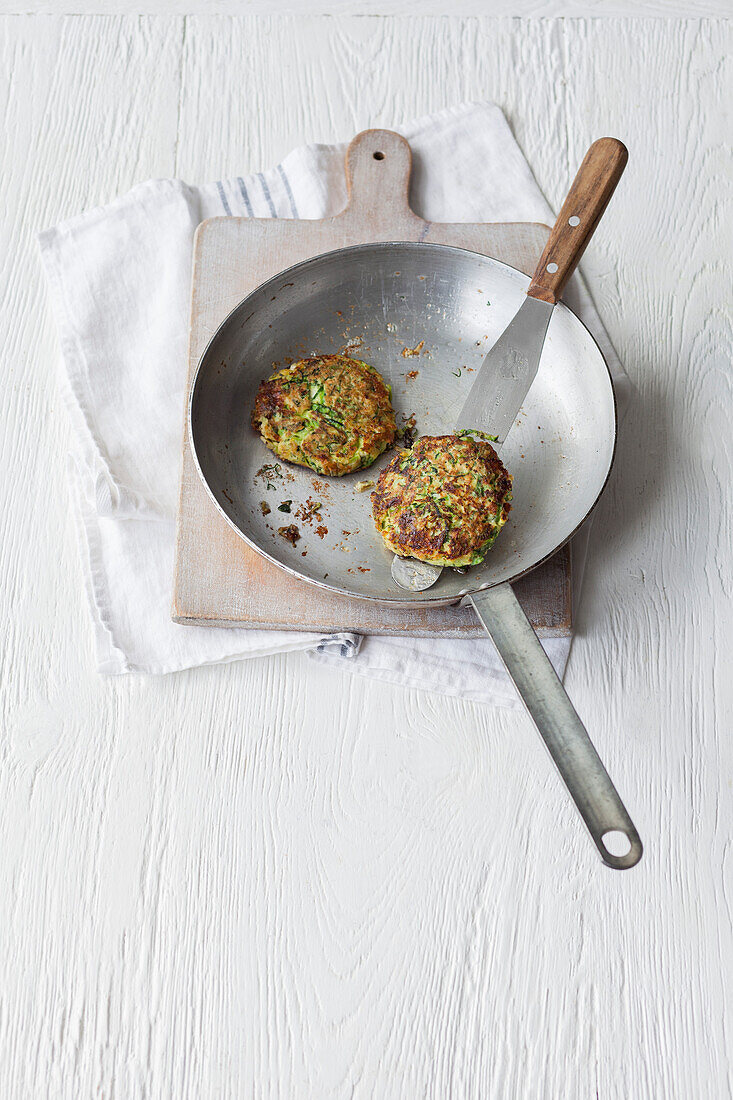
x: 562, y: 731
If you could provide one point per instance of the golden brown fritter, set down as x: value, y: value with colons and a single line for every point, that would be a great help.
x: 331, y: 413
x: 444, y: 501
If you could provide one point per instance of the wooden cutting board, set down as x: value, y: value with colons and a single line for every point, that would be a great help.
x: 219, y: 579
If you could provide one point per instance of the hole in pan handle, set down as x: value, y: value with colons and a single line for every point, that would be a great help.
x: 562, y: 731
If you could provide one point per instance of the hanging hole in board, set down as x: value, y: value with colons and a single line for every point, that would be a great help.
x: 378, y: 156
x: 616, y: 842
x: 575, y: 220
x: 552, y: 268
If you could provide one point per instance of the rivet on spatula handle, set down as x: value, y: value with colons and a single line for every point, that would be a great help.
x: 587, y: 198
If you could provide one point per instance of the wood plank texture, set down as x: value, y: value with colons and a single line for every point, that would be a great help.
x: 221, y: 581
x: 270, y: 879
x: 532, y: 9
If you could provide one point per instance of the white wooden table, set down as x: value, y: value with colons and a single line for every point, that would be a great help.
x: 270, y: 880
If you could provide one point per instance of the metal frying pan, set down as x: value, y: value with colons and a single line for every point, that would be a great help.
x: 378, y: 302
x: 375, y: 301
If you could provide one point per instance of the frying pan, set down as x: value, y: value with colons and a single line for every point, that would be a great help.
x: 424, y: 315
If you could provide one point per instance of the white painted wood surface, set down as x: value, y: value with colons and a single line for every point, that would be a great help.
x: 526, y: 9
x: 271, y: 880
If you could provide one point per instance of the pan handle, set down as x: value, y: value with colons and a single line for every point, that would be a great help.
x: 561, y: 729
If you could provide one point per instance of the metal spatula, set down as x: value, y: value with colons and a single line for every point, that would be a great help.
x: 510, y: 367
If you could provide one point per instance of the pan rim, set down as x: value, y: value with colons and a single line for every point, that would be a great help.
x: 388, y: 601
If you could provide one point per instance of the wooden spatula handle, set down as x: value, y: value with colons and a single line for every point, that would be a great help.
x: 588, y: 197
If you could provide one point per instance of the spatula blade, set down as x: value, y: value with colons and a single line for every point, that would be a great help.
x: 507, y: 372
x: 493, y: 403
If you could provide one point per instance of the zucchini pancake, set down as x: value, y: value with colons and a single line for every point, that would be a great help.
x: 444, y: 501
x: 331, y: 413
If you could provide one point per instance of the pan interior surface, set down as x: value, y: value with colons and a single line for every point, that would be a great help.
x: 424, y: 316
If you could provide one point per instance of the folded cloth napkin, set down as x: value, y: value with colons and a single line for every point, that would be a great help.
x: 120, y: 286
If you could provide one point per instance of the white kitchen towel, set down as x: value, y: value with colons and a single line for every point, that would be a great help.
x: 120, y: 286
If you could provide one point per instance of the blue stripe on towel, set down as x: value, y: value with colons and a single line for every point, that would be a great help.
x: 266, y: 193
x: 222, y: 196
x: 289, y: 190
x: 245, y: 196
x: 343, y: 645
